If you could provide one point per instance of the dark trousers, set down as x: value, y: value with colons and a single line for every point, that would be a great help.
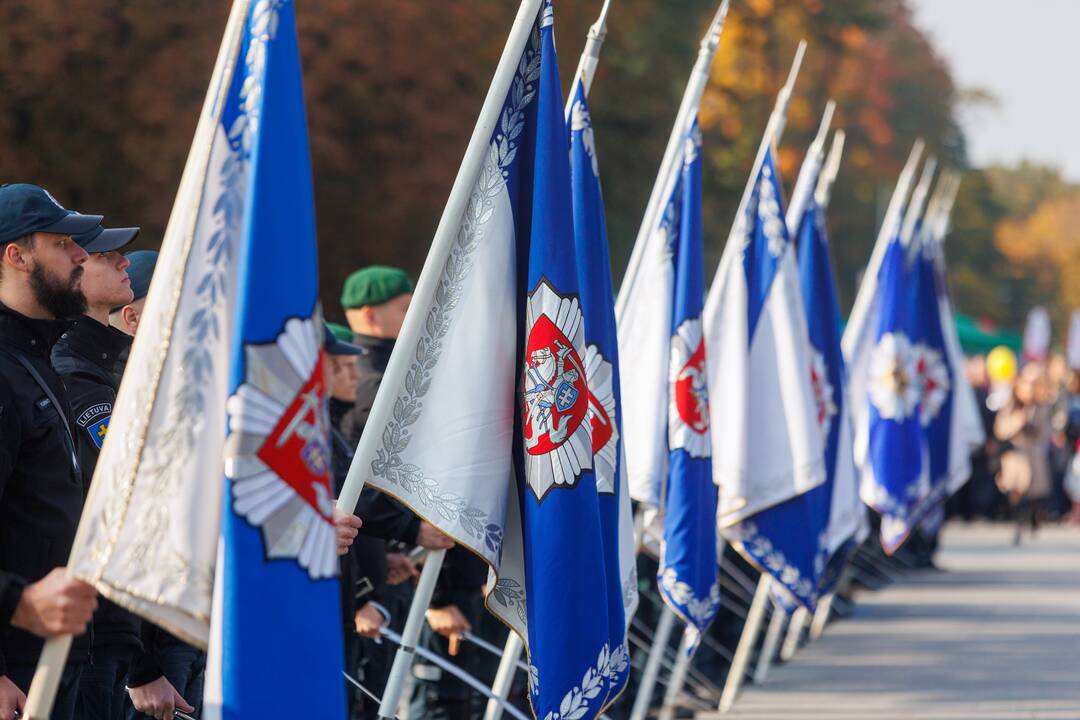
x: 438, y: 695
x: 375, y: 658
x: 184, y: 666
x: 64, y: 706
x: 102, y: 692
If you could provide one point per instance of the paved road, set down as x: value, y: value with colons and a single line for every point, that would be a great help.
x: 997, y: 636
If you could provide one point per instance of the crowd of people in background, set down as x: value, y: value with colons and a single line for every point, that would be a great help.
x: 1028, y: 469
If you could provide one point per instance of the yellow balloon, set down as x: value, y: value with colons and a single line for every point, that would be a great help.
x: 1001, y: 364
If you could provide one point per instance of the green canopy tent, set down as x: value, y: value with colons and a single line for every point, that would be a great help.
x: 976, y: 340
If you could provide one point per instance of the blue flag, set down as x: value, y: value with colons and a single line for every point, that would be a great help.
x: 688, y: 573
x: 827, y: 374
x: 574, y: 668
x: 602, y: 369
x: 783, y: 540
x: 898, y: 479
x: 278, y: 613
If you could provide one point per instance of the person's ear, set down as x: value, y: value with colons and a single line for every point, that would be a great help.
x: 130, y: 317
x: 14, y: 256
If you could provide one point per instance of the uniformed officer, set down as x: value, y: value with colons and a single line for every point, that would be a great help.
x: 88, y: 358
x: 41, y: 488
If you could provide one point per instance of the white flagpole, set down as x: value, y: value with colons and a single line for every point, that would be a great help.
x: 772, y: 639
x: 746, y: 644
x: 695, y: 88
x: 476, y: 152
x: 410, y: 634
x: 918, y: 202
x: 54, y: 653
x: 808, y: 173
x: 504, y: 676
x: 652, y: 665
x: 821, y: 616
x: 794, y: 633
x: 590, y: 56
x: 864, y: 298
x: 678, y: 677
x: 832, y: 166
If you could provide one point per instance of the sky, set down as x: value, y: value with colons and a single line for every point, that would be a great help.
x: 1025, y: 53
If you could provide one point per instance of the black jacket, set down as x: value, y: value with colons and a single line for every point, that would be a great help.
x: 41, y: 489
x: 87, y: 356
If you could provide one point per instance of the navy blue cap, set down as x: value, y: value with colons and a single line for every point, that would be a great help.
x: 333, y: 346
x: 140, y: 270
x: 26, y: 209
x: 101, y: 240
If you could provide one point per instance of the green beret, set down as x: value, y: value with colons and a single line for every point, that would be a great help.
x: 374, y: 285
x: 341, y: 332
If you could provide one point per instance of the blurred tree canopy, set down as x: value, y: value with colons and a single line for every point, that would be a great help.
x: 99, y: 103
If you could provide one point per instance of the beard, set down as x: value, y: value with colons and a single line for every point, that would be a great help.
x: 61, y: 299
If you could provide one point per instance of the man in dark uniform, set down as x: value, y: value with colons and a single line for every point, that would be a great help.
x: 90, y: 357
x: 41, y: 488
x: 375, y: 300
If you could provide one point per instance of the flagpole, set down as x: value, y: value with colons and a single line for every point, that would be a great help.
x: 821, y: 616
x: 823, y: 194
x: 809, y: 172
x: 590, y: 56
x: 652, y: 665
x: 772, y: 639
x: 445, y: 236
x: 504, y: 676
x: 918, y: 202
x: 678, y: 676
x: 54, y: 653
x: 410, y: 634
x: 794, y: 633
x: 669, y: 165
x: 746, y: 644
x: 863, y: 299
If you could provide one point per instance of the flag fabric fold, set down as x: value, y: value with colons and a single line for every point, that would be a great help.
x: 602, y: 369
x: 846, y: 513
x: 491, y: 438
x: 767, y: 451
x: 688, y: 561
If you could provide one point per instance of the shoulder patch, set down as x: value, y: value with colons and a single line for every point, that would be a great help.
x: 95, y: 420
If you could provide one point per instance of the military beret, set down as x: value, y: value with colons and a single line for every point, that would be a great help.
x: 374, y: 285
x: 341, y: 332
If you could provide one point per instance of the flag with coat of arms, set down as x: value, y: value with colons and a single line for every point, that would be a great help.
x: 490, y: 433
x: 846, y: 513
x: 225, y: 382
x: 768, y: 453
x: 602, y: 369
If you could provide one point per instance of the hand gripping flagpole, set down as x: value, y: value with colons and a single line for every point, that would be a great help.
x: 670, y: 164
x: 54, y: 653
x: 864, y: 298
x: 445, y: 235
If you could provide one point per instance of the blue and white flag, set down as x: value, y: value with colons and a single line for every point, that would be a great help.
x: 767, y: 449
x: 490, y: 437
x: 846, y: 513
x: 602, y: 370
x: 890, y: 447
x: 278, y: 563
x: 688, y: 562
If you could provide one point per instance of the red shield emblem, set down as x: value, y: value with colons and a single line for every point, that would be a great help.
x: 691, y: 398
x: 556, y: 394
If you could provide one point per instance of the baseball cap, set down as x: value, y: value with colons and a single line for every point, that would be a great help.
x: 101, y: 239
x: 26, y: 208
x: 140, y: 269
x: 333, y: 346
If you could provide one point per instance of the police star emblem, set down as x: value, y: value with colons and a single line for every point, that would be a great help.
x: 278, y: 454
x: 558, y: 441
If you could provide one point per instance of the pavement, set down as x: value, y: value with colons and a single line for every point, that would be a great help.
x: 994, y: 635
